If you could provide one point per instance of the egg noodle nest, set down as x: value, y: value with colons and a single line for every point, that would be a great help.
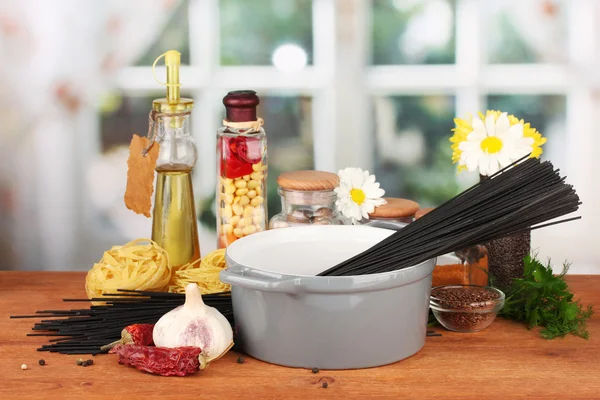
x: 143, y: 265
x: 204, y: 272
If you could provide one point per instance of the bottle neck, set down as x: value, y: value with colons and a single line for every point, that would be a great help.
x: 173, y: 125
x: 177, y: 146
x: 244, y: 131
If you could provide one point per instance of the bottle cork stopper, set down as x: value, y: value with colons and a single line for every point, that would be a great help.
x: 395, y: 208
x: 308, y: 180
x: 422, y: 212
x: 240, y: 105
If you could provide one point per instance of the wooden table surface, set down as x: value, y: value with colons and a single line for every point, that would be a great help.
x: 505, y: 361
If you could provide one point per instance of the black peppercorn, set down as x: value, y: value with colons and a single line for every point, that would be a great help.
x: 89, y: 362
x: 240, y: 360
x: 42, y: 362
x: 325, y: 385
x: 315, y: 370
x: 476, y: 303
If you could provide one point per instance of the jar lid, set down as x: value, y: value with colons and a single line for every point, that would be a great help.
x: 422, y: 212
x: 394, y: 208
x: 308, y: 180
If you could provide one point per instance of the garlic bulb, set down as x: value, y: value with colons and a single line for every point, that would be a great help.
x: 195, y: 324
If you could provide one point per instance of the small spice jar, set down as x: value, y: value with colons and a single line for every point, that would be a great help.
x: 467, y: 266
x: 307, y: 197
x: 395, y: 210
x: 465, y: 308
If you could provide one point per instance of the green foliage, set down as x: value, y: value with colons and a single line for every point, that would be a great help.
x: 543, y: 299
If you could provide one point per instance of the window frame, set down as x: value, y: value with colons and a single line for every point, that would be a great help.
x: 341, y: 81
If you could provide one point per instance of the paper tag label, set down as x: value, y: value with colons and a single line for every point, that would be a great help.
x: 140, y: 175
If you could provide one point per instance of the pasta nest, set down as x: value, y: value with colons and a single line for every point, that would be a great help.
x: 138, y: 265
x: 204, y: 272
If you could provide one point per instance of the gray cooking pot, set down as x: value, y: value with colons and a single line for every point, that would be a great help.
x: 288, y: 316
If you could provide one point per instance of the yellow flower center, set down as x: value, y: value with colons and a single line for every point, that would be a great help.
x: 358, y: 196
x: 491, y: 145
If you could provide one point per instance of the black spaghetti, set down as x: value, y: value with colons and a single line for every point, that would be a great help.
x: 85, y: 331
x: 523, y: 196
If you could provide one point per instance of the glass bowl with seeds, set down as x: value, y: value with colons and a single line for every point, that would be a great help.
x: 465, y: 308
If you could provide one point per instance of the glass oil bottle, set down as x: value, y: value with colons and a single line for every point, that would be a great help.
x: 174, y: 223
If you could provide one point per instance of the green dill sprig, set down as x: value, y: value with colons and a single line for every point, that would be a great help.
x: 543, y: 299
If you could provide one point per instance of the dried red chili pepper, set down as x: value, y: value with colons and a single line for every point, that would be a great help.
x: 176, y: 361
x: 140, y: 334
x: 239, y: 154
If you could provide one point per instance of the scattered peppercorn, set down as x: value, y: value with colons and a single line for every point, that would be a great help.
x: 315, y: 370
x: 79, y: 361
x: 240, y: 360
x: 42, y: 362
x: 23, y: 367
x: 89, y: 362
x: 325, y: 385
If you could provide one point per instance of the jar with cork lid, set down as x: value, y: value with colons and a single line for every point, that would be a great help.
x: 395, y: 212
x: 242, y: 169
x: 307, y: 197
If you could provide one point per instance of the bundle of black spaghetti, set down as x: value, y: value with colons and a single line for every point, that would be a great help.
x: 86, y: 330
x: 523, y: 196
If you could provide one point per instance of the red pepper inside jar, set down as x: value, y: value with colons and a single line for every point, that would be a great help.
x: 242, y: 169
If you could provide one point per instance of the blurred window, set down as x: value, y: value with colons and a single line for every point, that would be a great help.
x: 395, y: 71
x: 412, y: 156
x: 252, y: 32
x: 175, y: 35
x: 413, y: 32
x: 511, y: 39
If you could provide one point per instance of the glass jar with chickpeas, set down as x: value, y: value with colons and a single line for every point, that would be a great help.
x: 307, y: 197
x: 242, y: 170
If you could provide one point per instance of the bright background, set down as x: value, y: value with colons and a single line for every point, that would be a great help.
x: 373, y: 84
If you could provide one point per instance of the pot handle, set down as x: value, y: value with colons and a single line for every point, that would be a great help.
x: 252, y: 279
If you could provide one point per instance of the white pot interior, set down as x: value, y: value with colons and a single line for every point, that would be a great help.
x: 306, y: 250
x: 448, y: 259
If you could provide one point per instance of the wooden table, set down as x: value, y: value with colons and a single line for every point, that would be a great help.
x: 505, y: 361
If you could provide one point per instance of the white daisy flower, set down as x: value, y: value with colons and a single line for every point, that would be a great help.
x: 358, y: 194
x: 494, y: 144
